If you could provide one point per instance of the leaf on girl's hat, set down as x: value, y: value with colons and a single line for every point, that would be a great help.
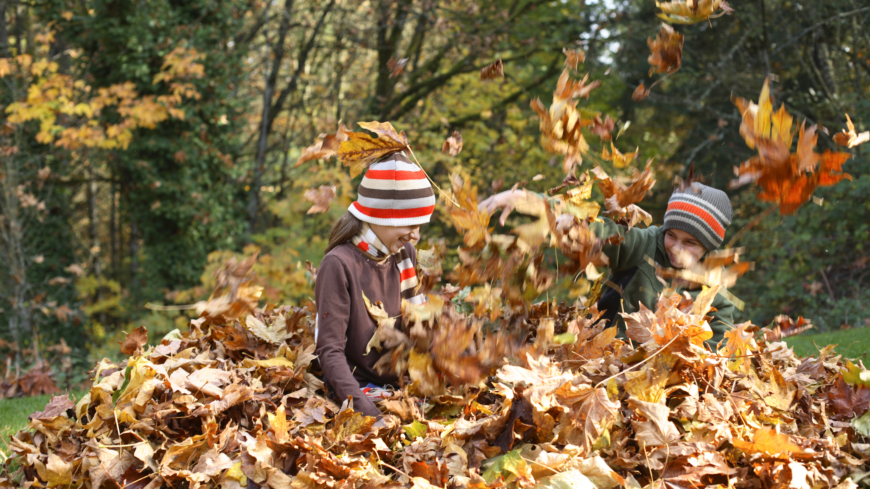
x: 321, y: 197
x: 361, y: 150
x: 848, y: 137
x: 666, y: 51
x: 787, y: 178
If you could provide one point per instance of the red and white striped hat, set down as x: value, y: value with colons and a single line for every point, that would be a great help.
x: 394, y: 192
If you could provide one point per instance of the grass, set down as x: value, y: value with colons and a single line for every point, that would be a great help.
x: 852, y: 343
x: 14, y: 412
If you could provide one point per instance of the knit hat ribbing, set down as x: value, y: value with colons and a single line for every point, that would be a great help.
x: 702, y: 211
x: 394, y: 192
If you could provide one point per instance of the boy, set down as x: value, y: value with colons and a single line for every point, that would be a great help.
x: 694, y: 224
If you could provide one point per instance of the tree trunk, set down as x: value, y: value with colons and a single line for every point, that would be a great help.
x: 4, y: 35
x: 260, y: 162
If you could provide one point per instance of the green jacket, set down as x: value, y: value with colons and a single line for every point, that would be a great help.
x: 644, y: 287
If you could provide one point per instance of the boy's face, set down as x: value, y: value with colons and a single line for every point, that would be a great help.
x: 395, y: 237
x: 683, y: 249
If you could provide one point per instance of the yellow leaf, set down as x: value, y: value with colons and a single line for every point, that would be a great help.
x: 769, y: 442
x: 361, y: 150
x: 279, y: 425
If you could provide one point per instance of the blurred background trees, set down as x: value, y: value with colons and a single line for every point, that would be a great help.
x: 144, y: 143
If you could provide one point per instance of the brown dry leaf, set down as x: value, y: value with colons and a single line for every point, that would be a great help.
x: 453, y: 144
x: 657, y: 430
x: 666, y: 51
x: 361, y: 150
x: 493, y: 71
x: 692, y: 11
x: 640, y: 93
x: 134, y: 341
x: 325, y: 146
x: 595, y: 416
x: 620, y: 201
x: 321, y: 197
x: 573, y: 57
x: 396, y: 67
x: 848, y: 137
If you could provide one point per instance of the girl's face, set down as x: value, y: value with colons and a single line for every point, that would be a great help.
x: 683, y: 249
x: 395, y: 237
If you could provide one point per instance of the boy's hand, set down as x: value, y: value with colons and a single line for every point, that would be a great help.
x: 507, y: 201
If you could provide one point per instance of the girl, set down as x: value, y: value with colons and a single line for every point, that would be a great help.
x: 370, y: 251
x: 695, y: 223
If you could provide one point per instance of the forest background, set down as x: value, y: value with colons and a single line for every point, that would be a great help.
x: 144, y: 143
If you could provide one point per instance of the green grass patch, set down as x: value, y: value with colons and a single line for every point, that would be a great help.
x: 14, y: 412
x: 851, y: 343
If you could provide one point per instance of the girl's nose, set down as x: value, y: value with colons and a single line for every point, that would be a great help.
x: 414, y: 235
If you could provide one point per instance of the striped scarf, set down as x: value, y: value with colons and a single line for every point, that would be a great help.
x: 367, y: 241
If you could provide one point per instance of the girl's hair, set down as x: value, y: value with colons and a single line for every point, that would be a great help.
x: 343, y: 230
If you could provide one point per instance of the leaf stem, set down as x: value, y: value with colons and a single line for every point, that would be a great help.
x: 431, y: 180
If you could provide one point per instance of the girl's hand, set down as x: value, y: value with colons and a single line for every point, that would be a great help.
x: 507, y: 201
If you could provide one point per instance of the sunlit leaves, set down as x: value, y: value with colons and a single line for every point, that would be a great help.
x: 787, y: 178
x: 467, y: 217
x: 691, y: 11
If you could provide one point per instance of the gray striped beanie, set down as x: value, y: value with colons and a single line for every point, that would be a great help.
x: 394, y: 192
x: 702, y: 211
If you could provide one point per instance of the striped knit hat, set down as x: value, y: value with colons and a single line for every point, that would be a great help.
x: 702, y: 211
x: 394, y: 192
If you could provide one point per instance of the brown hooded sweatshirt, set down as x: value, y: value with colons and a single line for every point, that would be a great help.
x: 345, y: 326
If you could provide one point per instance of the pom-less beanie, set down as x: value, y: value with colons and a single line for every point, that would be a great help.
x: 702, y: 211
x: 394, y: 192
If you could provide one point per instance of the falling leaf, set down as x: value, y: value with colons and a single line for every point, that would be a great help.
x: 573, y: 57
x: 848, y: 137
x: 640, y: 93
x: 619, y: 160
x: 321, y: 198
x: 691, y: 11
x: 469, y: 218
x: 620, y: 201
x: 396, y: 67
x: 453, y: 144
x: 361, y: 150
x: 666, y: 51
x: 493, y: 71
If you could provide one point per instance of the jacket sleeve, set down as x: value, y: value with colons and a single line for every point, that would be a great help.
x: 723, y: 318
x: 635, y: 245
x: 333, y: 316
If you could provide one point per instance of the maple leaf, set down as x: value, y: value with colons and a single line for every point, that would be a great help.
x: 848, y: 137
x: 619, y: 160
x: 620, y: 201
x: 325, y: 146
x: 134, y: 341
x: 657, y: 430
x: 785, y: 178
x: 691, y: 11
x: 573, y: 57
x: 361, y: 150
x: 469, y: 218
x: 666, y: 51
x: 769, y: 442
x: 493, y: 71
x: 782, y: 393
x: 274, y: 333
x: 321, y: 198
x: 739, y: 343
x: 396, y: 67
x: 453, y: 144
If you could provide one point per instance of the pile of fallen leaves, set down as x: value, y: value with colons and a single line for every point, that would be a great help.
x: 497, y: 391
